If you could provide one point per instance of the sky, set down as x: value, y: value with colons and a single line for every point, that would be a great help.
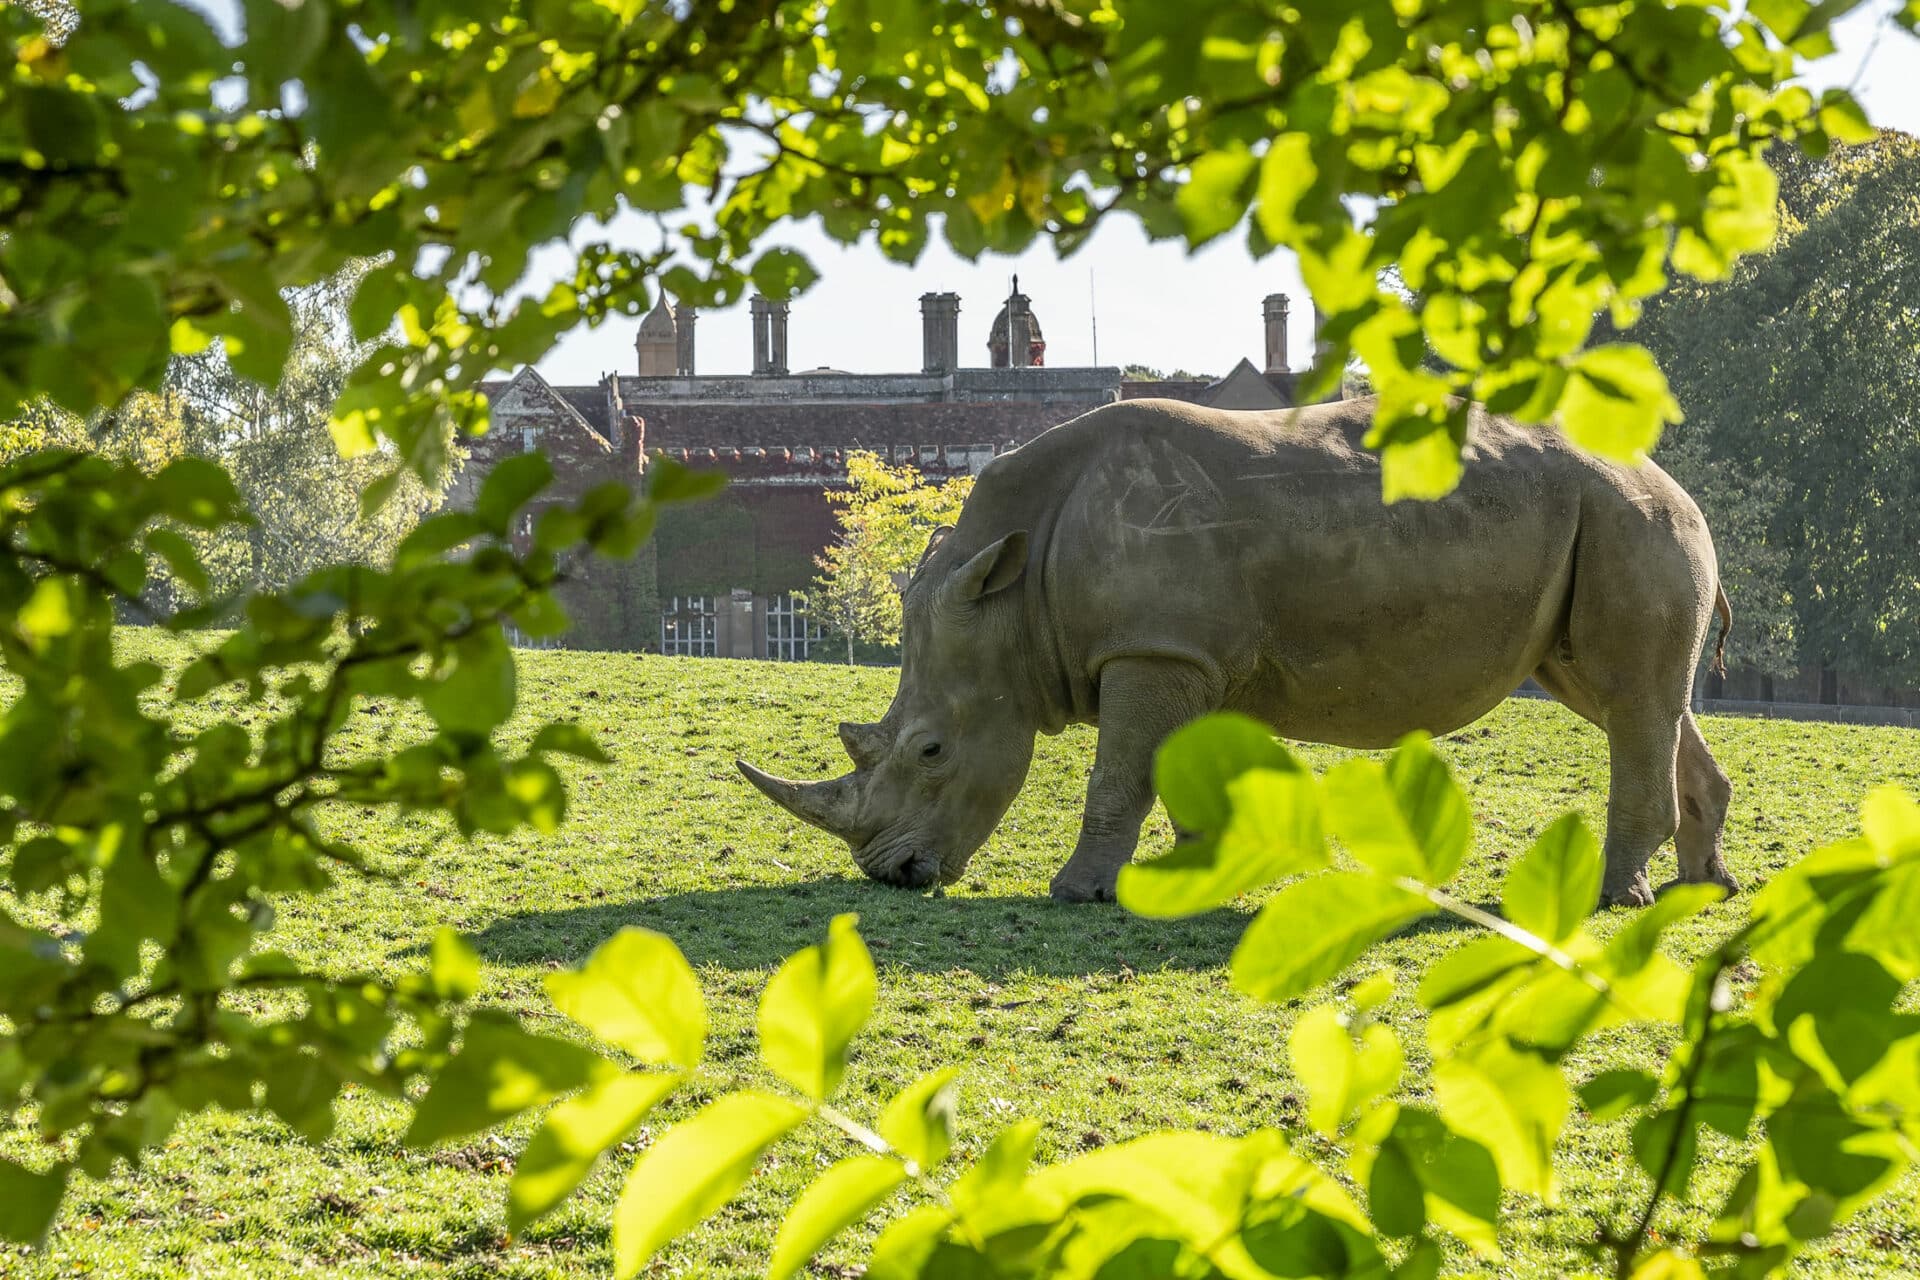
x: 1151, y: 303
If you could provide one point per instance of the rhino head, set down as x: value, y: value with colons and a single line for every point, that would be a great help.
x: 933, y: 777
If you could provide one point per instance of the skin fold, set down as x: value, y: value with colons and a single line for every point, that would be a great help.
x: 1152, y: 561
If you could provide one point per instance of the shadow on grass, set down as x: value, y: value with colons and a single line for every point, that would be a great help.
x: 756, y: 927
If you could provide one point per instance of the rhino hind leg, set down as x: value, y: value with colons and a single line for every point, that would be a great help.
x: 1142, y: 700
x: 1643, y: 810
x: 1644, y: 750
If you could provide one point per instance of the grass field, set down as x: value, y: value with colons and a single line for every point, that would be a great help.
x: 1102, y: 1025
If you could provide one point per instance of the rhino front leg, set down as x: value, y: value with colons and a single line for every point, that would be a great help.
x: 1142, y: 700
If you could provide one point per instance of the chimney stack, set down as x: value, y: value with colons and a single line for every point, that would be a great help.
x: 777, y: 343
x: 759, y: 307
x: 683, y: 334
x: 769, y: 337
x: 1275, y: 309
x: 939, y: 332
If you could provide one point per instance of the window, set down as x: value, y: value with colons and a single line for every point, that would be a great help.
x: 790, y: 635
x: 521, y: 640
x: 686, y: 626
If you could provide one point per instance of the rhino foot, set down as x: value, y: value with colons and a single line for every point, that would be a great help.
x: 1636, y: 893
x: 1722, y: 878
x: 1079, y: 888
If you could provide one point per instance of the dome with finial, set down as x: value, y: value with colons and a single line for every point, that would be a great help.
x: 1017, y: 310
x: 659, y: 322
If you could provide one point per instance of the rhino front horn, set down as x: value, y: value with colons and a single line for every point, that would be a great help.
x: 827, y: 805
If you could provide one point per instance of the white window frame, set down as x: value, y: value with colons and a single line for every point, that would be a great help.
x: 791, y: 635
x: 689, y: 627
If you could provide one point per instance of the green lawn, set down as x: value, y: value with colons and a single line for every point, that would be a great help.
x: 1102, y: 1025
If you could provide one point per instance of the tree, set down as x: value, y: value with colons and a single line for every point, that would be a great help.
x: 277, y: 443
x: 887, y: 514
x: 1799, y: 374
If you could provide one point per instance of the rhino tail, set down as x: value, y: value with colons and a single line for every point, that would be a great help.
x: 1725, y: 613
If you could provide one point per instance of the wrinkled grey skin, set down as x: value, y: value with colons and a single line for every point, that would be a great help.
x: 1152, y: 561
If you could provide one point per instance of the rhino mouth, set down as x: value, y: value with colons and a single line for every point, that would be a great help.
x: 908, y: 866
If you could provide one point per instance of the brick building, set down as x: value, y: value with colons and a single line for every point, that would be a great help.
x: 719, y: 578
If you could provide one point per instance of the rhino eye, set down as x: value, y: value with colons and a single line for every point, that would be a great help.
x: 929, y: 751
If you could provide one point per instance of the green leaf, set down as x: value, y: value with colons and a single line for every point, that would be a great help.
x: 1215, y: 194
x: 1395, y: 1198
x: 918, y: 1122
x: 511, y: 484
x: 574, y: 1136
x: 499, y: 1071
x: 455, y: 966
x: 1406, y: 819
x: 692, y: 1170
x: 1612, y: 1094
x: 1456, y: 1179
x: 571, y: 740
x: 1286, y: 172
x: 1274, y: 831
x: 1342, y: 1078
x: 1616, y: 402
x: 814, y: 1006
x: 473, y: 690
x: 670, y: 481
x: 28, y: 1201
x: 1842, y: 116
x: 197, y: 492
x: 1634, y: 946
x: 1198, y: 761
x: 782, y: 273
x: 837, y: 1199
x: 1311, y: 930
x: 1510, y: 1102
x: 1890, y: 820
x: 637, y: 991
x: 1553, y: 889
x: 999, y: 1171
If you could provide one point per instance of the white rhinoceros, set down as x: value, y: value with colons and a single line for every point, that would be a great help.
x: 1151, y: 561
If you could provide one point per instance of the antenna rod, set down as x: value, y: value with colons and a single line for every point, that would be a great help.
x: 1093, y: 314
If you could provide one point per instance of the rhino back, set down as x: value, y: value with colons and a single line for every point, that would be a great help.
x: 1256, y: 546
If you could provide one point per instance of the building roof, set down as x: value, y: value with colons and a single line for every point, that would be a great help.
x: 678, y: 425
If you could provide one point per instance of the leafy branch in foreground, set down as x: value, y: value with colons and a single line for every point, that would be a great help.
x: 145, y: 853
x: 1812, y: 1073
x: 1527, y: 164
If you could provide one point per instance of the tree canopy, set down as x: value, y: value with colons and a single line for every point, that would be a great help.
x: 1526, y: 163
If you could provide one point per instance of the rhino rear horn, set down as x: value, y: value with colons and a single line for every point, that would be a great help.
x: 865, y: 743
x: 827, y: 805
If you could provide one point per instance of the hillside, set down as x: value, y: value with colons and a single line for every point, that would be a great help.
x: 1102, y: 1025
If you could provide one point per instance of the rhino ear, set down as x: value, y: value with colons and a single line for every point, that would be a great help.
x: 995, y: 569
